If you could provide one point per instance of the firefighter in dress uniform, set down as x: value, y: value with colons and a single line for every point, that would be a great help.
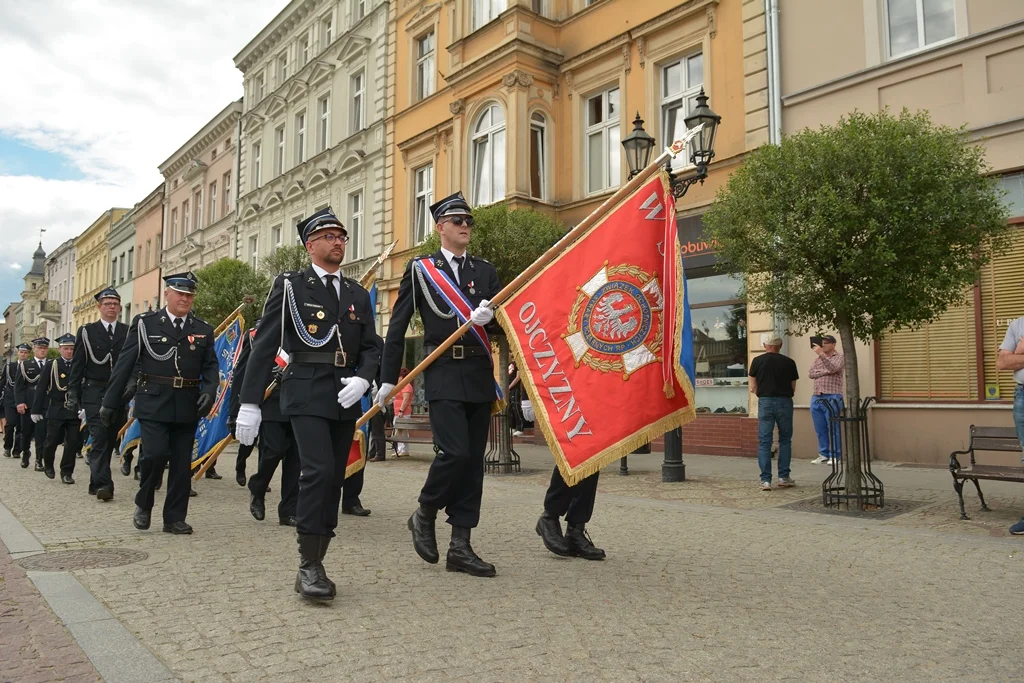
x: 25, y: 384
x: 178, y: 377
x: 12, y: 428
x: 62, y: 422
x: 97, y: 347
x: 324, y: 324
x: 460, y: 387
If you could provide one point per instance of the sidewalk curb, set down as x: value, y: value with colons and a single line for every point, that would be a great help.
x: 116, y: 653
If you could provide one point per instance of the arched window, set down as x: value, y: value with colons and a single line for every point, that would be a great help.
x: 538, y: 156
x: 488, y: 160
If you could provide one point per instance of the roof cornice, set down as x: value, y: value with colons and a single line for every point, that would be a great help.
x: 267, y: 39
x: 214, y: 128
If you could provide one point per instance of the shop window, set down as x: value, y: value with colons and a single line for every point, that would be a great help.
x: 719, y: 317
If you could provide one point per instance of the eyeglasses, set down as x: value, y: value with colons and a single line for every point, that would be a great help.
x: 331, y: 238
x: 458, y: 221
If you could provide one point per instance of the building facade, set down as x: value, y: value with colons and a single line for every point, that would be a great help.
x: 148, y: 220
x: 961, y: 60
x: 313, y: 127
x: 532, y: 107
x: 60, y: 290
x: 92, y: 266
x: 121, y: 241
x: 199, y: 208
x: 12, y: 328
x: 33, y: 298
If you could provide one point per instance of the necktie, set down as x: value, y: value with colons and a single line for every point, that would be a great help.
x: 110, y: 331
x: 458, y: 262
x: 331, y: 289
x: 177, y: 326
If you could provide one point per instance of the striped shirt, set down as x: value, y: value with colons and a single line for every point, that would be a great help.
x: 827, y: 373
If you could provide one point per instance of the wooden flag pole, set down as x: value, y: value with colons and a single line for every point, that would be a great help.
x: 367, y: 277
x: 231, y: 316
x: 545, y: 258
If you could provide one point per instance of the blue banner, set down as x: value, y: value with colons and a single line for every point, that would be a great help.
x: 367, y: 401
x: 213, y: 429
x: 133, y: 434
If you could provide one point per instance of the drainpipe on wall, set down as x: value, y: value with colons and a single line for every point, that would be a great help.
x: 238, y: 178
x: 771, y: 15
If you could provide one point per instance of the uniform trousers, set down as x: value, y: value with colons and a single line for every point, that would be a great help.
x: 455, y: 482
x: 11, y: 430
x: 243, y: 455
x: 575, y: 502
x: 103, y: 439
x: 166, y: 444
x: 351, y: 489
x: 277, y: 446
x: 377, y: 447
x: 58, y: 432
x: 32, y: 431
x: 323, y: 454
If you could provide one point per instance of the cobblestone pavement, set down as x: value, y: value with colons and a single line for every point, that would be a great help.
x: 712, y: 585
x: 34, y: 645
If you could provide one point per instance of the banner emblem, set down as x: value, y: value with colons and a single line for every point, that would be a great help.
x: 615, y: 324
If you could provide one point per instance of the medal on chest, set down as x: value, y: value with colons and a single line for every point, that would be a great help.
x: 472, y: 284
x: 352, y: 312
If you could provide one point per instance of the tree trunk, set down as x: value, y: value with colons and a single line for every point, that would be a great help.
x: 852, y: 453
x: 504, y: 440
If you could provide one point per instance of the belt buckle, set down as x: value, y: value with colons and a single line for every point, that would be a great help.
x: 177, y: 382
x: 340, y: 359
x: 458, y: 352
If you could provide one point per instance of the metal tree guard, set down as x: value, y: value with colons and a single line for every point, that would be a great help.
x: 500, y: 438
x: 852, y: 482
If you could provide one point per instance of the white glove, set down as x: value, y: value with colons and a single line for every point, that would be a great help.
x: 353, y: 389
x: 381, y: 398
x: 247, y: 424
x: 482, y: 314
x: 37, y: 418
x: 81, y: 414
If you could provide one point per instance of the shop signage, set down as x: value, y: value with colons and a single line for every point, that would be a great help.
x: 696, y: 249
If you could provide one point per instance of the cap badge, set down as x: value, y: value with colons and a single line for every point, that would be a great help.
x: 312, y: 328
x: 319, y: 315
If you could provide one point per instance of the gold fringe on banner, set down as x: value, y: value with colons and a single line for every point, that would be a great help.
x: 361, y: 463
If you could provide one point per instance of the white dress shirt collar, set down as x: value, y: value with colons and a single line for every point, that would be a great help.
x: 174, y: 317
x: 450, y: 257
x: 321, y: 273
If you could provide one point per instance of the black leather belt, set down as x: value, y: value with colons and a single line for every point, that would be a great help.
x: 176, y: 382
x: 335, y: 358
x: 96, y: 382
x: 462, y: 351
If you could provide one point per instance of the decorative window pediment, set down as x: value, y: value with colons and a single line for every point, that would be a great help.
x: 297, y: 90
x: 273, y: 200
x: 294, y: 191
x: 193, y: 168
x: 275, y: 105
x: 250, y: 211
x: 351, y: 161
x: 317, y: 176
x: 352, y: 47
x: 252, y: 123
x: 321, y: 72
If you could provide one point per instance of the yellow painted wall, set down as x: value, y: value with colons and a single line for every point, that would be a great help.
x: 92, y: 265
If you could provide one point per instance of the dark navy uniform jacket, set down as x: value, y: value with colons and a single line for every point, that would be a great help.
x: 49, y: 401
x: 88, y: 379
x: 26, y: 379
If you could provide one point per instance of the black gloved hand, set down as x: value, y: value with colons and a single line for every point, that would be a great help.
x: 204, y: 404
x: 106, y: 416
x: 71, y: 403
x: 128, y: 395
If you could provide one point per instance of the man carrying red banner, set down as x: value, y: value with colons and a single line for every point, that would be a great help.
x: 449, y: 287
x: 602, y: 338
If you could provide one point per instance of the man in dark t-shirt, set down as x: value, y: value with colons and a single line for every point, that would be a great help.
x: 773, y: 379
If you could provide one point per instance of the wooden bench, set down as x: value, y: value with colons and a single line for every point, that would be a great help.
x: 412, y: 429
x: 1002, y: 439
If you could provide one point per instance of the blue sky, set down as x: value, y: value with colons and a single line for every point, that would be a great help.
x: 106, y: 91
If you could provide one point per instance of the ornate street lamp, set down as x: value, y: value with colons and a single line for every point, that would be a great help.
x: 639, y: 145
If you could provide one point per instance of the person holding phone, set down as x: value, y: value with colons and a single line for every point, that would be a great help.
x: 827, y: 373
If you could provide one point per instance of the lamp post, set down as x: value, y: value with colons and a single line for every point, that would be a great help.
x: 638, y: 146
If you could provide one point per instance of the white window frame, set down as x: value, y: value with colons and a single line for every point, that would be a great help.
x: 423, y: 197
x: 683, y: 101
x: 300, y: 137
x: 213, y: 202
x: 610, y: 142
x: 323, y: 106
x: 261, y: 85
x: 358, y: 10
x: 257, y: 164
x: 254, y: 250
x: 425, y: 69
x: 921, y: 44
x: 227, y: 192
x: 174, y: 226
x: 357, y: 91
x: 490, y: 139
x: 197, y: 209
x: 304, y: 49
x: 186, y: 214
x: 356, y: 210
x: 543, y: 129
x: 326, y: 30
x: 282, y: 67
x: 486, y: 11
x: 279, y: 150
x: 275, y: 236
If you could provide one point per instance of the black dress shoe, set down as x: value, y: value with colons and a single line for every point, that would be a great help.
x: 105, y: 493
x: 256, y: 507
x: 288, y: 521
x: 7, y: 452
x: 177, y: 528
x: 580, y: 544
x: 39, y: 467
x: 212, y: 474
x: 240, y: 478
x: 357, y: 510
x: 550, y: 531
x: 92, y: 491
x: 78, y: 455
x: 50, y: 473
x: 311, y: 582
x: 24, y: 463
x: 126, y: 465
x: 192, y: 493
x: 421, y: 524
x: 141, y: 518
x: 66, y: 478
x: 461, y: 557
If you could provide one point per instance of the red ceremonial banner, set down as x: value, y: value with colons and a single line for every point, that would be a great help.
x: 356, y: 454
x: 596, y: 336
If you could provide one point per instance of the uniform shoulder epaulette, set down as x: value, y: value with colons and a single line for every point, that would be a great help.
x: 481, y: 260
x: 149, y: 314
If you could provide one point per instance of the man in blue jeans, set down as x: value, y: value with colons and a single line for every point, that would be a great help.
x: 1011, y: 357
x: 827, y: 372
x: 773, y: 379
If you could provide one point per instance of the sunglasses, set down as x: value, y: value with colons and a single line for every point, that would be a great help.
x: 459, y: 221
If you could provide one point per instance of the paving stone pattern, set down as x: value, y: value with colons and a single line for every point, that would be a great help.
x: 705, y: 581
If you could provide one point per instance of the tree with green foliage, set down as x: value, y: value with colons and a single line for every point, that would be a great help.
x: 284, y: 259
x: 226, y: 284
x: 874, y: 224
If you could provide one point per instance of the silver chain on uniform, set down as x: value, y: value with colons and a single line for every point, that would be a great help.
x: 307, y: 338
x: 426, y: 295
x: 21, y: 365
x: 161, y: 357
x: 92, y: 356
